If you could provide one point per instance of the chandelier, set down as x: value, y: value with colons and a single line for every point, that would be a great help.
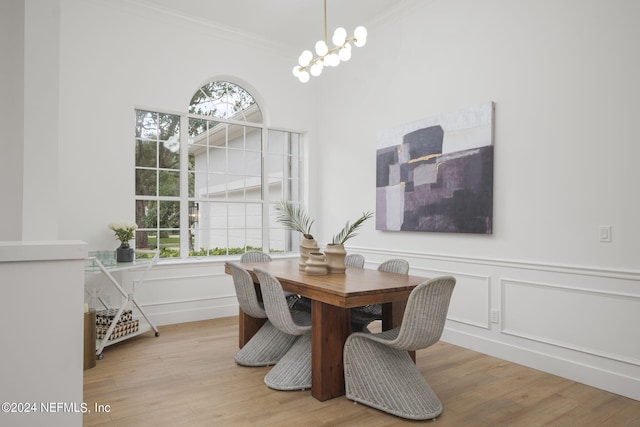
x: 308, y: 65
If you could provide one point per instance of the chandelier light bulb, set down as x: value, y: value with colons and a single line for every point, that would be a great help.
x: 345, y: 53
x: 305, y: 58
x: 332, y: 60
x: 316, y: 69
x: 321, y: 48
x: 339, y: 36
x: 303, y: 77
x: 296, y: 71
x: 360, y: 34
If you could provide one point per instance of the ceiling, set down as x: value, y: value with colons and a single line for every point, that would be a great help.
x: 289, y: 22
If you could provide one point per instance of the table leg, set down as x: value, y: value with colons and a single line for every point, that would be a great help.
x: 247, y: 327
x: 392, y: 314
x: 330, y: 331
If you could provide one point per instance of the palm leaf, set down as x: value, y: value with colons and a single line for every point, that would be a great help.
x: 294, y: 217
x: 348, y: 231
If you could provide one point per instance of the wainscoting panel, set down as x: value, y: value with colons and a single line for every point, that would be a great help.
x: 177, y: 293
x: 572, y: 317
x: 578, y: 322
x: 470, y: 302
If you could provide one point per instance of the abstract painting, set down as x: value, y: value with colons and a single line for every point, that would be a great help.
x: 436, y: 174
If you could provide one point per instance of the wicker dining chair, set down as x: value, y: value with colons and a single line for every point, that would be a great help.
x: 377, y: 368
x: 354, y: 260
x: 255, y: 256
x: 259, y: 256
x: 293, y: 371
x: 269, y: 343
x: 362, y: 316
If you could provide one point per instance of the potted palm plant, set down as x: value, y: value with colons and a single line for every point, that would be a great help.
x: 295, y: 218
x: 335, y: 250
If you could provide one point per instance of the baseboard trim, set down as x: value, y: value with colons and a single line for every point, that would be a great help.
x: 580, y: 372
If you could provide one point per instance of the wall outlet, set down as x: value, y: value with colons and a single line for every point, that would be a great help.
x: 495, y: 316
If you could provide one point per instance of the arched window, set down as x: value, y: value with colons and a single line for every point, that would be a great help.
x: 206, y: 180
x: 225, y: 100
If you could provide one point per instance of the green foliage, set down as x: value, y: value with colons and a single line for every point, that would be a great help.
x: 173, y: 252
x: 294, y: 217
x: 349, y: 231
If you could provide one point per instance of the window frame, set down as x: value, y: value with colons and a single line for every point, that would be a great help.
x: 291, y: 240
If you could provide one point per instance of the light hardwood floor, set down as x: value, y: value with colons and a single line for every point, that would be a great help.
x: 187, y: 377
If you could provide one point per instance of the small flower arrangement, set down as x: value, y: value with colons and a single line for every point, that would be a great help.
x: 124, y: 231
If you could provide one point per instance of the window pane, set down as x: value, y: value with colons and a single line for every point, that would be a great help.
x: 192, y: 183
x: 169, y: 183
x: 294, y: 144
x: 146, y: 240
x: 237, y: 216
x: 277, y: 240
x: 277, y: 166
x: 169, y: 243
x: 147, y: 213
x: 169, y: 127
x: 146, y: 154
x: 146, y: 124
x: 253, y: 166
x: 254, y: 240
x: 225, y: 100
x: 197, y: 127
x: 277, y: 141
x: 146, y: 184
x: 169, y: 214
x: 169, y: 155
x: 215, y: 162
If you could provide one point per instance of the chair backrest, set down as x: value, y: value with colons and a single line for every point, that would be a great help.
x: 425, y: 314
x: 246, y: 291
x: 395, y: 265
x: 354, y: 260
x: 255, y: 256
x: 275, y: 304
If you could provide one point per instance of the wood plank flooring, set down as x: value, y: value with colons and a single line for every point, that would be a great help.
x: 187, y: 377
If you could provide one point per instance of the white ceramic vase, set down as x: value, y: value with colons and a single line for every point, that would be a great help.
x: 335, y: 258
x: 316, y: 264
x: 307, y: 245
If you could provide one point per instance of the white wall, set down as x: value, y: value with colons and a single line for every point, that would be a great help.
x: 563, y: 76
x: 11, y: 117
x: 116, y: 56
x: 41, y: 311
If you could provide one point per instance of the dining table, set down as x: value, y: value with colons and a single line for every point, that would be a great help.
x: 332, y: 296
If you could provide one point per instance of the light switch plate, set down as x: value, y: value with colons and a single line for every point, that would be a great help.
x: 605, y: 233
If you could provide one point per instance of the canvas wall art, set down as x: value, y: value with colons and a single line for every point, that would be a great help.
x: 436, y: 174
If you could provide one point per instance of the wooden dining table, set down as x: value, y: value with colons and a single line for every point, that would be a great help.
x: 332, y: 296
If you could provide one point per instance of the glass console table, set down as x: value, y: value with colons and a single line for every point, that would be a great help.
x: 100, y: 265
